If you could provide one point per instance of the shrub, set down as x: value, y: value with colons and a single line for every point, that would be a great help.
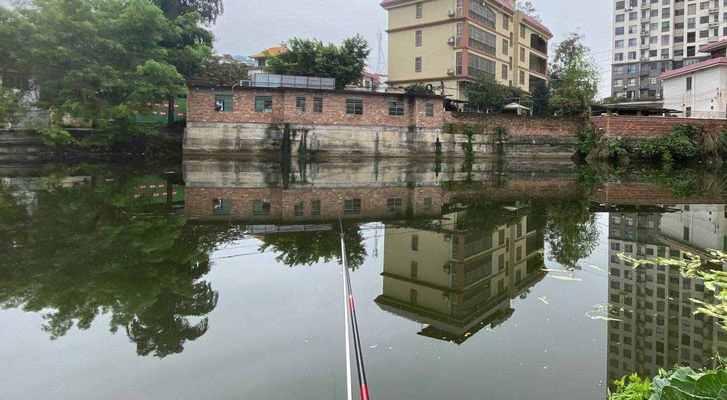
x: 631, y: 388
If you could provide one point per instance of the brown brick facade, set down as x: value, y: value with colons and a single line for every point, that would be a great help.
x: 517, y: 126
x: 645, y: 127
x: 201, y: 108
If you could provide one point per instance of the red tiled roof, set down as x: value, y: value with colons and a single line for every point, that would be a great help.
x: 711, y: 63
x: 709, y: 47
x: 271, y: 52
x: 537, y: 25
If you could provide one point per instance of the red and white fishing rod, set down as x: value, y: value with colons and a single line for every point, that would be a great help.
x: 350, y: 315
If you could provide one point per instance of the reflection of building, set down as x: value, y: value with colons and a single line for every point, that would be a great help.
x: 656, y: 326
x: 456, y: 279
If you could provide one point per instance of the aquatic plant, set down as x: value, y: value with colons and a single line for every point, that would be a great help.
x: 680, y: 384
x: 705, y: 269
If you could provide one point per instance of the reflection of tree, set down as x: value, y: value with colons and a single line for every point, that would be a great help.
x: 571, y: 232
x: 308, y: 248
x: 83, y: 253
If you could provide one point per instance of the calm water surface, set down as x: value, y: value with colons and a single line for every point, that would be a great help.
x: 221, y: 279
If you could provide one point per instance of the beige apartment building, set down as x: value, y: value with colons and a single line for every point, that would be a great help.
x: 447, y: 43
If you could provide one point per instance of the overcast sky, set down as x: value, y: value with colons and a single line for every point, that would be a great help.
x: 249, y: 26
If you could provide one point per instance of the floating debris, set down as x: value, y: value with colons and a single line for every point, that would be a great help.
x: 566, y: 278
x: 544, y: 300
x: 601, y: 312
x: 373, y: 346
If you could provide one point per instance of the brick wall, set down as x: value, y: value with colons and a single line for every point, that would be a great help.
x: 645, y: 127
x: 520, y: 126
x: 201, y: 108
x: 634, y: 193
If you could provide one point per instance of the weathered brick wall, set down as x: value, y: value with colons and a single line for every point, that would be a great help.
x: 517, y: 126
x: 199, y: 202
x: 645, y: 127
x: 201, y: 108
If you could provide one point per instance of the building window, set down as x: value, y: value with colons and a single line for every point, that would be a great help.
x: 482, y: 40
x: 318, y: 104
x: 420, y: 10
x: 689, y: 83
x: 300, y: 104
x: 352, y: 206
x: 393, y: 205
x: 223, y: 103
x: 299, y: 209
x: 418, y: 64
x: 429, y: 109
x: 483, y: 14
x: 505, y: 22
x: 260, y: 208
x: 414, y: 270
x: 396, y: 108
x: 415, y: 243
x: 315, y: 208
x: 418, y: 39
x: 522, y: 77
x: 264, y: 104
x: 688, y: 112
x: 354, y: 106
x: 504, y: 71
x: 505, y: 46
x: 221, y: 207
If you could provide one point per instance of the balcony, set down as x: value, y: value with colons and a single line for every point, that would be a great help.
x: 539, y: 44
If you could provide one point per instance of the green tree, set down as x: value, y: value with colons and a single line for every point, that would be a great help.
x: 104, y: 60
x: 541, y: 99
x: 208, y: 10
x: 306, y: 57
x: 485, y: 93
x: 574, y: 78
x: 10, y: 105
x: 308, y: 248
x: 222, y: 71
x: 571, y: 232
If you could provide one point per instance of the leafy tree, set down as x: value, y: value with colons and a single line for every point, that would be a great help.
x: 571, y: 231
x: 208, y: 10
x: 485, y: 93
x: 222, y: 71
x: 10, y: 105
x: 541, y: 99
x: 309, y: 248
x: 574, y: 78
x: 306, y: 57
x: 527, y: 8
x: 104, y: 60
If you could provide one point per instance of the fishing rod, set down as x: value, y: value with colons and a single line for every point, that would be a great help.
x: 350, y: 313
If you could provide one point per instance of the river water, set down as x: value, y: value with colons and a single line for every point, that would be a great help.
x: 220, y: 279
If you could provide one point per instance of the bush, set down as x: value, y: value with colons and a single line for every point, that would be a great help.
x: 631, y: 388
x: 682, y: 383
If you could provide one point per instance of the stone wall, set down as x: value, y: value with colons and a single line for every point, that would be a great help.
x: 629, y: 127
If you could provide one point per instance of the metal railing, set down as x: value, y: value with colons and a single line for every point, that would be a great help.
x: 289, y: 81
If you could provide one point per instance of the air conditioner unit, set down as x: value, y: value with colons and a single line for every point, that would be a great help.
x: 451, y: 41
x: 450, y: 72
x: 451, y: 14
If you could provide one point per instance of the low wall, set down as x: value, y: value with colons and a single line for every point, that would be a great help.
x: 629, y: 127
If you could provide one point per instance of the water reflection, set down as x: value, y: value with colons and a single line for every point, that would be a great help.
x: 75, y: 248
x: 655, y: 325
x: 457, y: 277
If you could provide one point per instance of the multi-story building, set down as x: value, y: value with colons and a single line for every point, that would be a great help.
x: 447, y: 43
x: 654, y: 36
x: 457, y: 279
x: 654, y: 324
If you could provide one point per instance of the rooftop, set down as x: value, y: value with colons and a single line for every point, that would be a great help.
x: 710, y: 47
x: 700, y: 66
x: 271, y: 52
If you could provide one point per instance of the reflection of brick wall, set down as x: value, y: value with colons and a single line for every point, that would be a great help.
x: 641, y: 127
x: 201, y: 108
x: 199, y: 202
x: 648, y: 194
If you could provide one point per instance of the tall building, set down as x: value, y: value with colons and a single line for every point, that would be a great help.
x: 654, y: 324
x: 654, y: 36
x: 447, y: 43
